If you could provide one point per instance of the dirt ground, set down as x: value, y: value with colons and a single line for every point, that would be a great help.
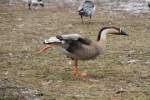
x: 122, y: 73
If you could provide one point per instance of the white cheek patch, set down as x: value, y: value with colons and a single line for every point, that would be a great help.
x: 52, y: 39
x: 104, y: 33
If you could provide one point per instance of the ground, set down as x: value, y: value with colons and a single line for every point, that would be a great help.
x: 122, y: 73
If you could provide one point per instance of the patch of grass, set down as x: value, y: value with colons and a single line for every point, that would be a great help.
x: 8, y: 98
x: 21, y: 36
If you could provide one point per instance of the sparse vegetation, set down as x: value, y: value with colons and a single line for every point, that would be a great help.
x: 122, y: 73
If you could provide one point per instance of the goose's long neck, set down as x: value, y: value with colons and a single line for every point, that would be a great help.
x: 103, y: 35
x: 102, y: 38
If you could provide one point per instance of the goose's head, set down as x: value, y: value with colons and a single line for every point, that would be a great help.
x: 110, y: 30
x: 50, y: 43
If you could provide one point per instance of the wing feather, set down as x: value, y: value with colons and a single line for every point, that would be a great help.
x: 74, y: 38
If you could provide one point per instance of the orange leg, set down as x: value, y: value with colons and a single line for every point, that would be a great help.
x: 76, y: 71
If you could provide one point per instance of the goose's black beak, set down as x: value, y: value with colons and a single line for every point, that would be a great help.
x: 124, y: 33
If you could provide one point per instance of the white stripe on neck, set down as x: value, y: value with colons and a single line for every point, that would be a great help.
x: 104, y: 34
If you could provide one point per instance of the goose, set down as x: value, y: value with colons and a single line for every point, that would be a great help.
x: 78, y: 47
x: 148, y: 2
x: 87, y: 9
x: 35, y: 3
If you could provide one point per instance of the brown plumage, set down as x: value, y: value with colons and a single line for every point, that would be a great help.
x: 78, y: 47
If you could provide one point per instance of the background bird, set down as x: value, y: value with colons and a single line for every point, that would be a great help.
x: 35, y: 3
x: 148, y: 2
x: 78, y: 47
x: 87, y: 9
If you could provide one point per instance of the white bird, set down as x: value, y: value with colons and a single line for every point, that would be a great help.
x: 87, y: 9
x: 35, y: 3
x: 148, y: 2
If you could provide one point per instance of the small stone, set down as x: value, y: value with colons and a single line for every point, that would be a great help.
x: 83, y: 74
x: 132, y: 61
x: 6, y: 73
x: 47, y: 83
x: 69, y: 62
x: 10, y: 54
x: 147, y: 62
x: 19, y: 19
x: 69, y: 26
x: 121, y: 90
